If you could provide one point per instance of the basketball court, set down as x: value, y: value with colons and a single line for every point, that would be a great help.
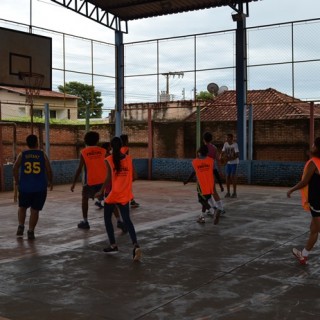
x: 241, y: 268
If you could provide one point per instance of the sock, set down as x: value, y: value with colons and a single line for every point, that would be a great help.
x: 85, y: 220
x: 219, y: 205
x: 212, y: 202
x: 21, y: 225
x: 305, y: 252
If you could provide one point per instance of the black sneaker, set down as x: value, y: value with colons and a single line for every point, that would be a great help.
x: 134, y: 204
x: 122, y: 226
x: 31, y: 235
x: 84, y: 225
x: 136, y: 253
x: 111, y: 250
x: 98, y: 204
x: 20, y: 231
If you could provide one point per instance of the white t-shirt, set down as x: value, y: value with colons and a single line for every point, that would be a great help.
x: 231, y: 150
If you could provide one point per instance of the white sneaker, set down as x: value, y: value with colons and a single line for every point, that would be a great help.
x: 298, y: 254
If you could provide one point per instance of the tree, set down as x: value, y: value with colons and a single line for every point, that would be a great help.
x: 85, y: 93
x: 205, y: 95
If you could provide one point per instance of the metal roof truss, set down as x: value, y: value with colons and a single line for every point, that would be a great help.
x: 95, y: 13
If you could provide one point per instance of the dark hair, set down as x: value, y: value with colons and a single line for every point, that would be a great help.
x: 106, y: 145
x: 116, y: 145
x: 91, y: 138
x: 207, y: 136
x: 316, y: 153
x: 125, y: 140
x: 203, y: 150
x: 230, y: 135
x: 32, y: 141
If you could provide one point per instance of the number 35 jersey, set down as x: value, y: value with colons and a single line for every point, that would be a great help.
x: 32, y: 171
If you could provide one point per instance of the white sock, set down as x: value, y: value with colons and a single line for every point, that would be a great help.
x: 219, y: 205
x: 305, y: 252
x: 212, y: 202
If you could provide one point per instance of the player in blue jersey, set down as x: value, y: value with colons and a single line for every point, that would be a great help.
x: 32, y: 175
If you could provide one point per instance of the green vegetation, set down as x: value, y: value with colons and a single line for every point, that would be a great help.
x: 88, y: 98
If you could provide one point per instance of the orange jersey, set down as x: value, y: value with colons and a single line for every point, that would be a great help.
x: 121, y: 191
x: 124, y: 150
x: 204, y: 173
x: 304, y: 191
x: 95, y: 166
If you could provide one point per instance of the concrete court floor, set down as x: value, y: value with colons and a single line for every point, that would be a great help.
x: 241, y: 268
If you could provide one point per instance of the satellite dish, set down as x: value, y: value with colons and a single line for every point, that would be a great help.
x: 222, y: 89
x: 213, y: 88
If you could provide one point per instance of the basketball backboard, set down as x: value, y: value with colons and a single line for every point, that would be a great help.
x: 22, y: 52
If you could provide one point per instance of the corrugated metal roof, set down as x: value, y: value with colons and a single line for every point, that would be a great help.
x: 268, y: 104
x: 43, y: 93
x: 137, y: 9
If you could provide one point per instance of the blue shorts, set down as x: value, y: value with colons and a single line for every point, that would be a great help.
x: 35, y: 200
x: 231, y: 169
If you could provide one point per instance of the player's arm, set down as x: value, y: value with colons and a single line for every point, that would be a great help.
x: 78, y: 172
x: 48, y: 171
x: 191, y: 176
x: 311, y: 168
x: 16, y: 167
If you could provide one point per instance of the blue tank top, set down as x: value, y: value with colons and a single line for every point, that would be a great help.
x: 32, y: 171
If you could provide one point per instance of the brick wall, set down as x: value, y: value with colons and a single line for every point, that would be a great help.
x: 281, y: 140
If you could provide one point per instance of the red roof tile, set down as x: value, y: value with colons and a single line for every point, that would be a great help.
x: 268, y: 104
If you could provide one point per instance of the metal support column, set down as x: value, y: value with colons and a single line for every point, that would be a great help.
x: 119, y: 81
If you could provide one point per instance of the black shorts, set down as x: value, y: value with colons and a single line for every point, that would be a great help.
x: 90, y: 191
x: 315, y: 214
x: 35, y: 200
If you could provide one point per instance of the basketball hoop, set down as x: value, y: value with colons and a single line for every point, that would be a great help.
x: 32, y: 83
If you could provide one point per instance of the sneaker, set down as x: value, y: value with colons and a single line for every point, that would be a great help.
x: 122, y: 226
x: 222, y: 212
x: 201, y: 220
x: 298, y: 254
x: 134, y: 204
x: 136, y: 254
x: 227, y: 195
x: 98, y: 204
x: 216, y: 216
x: 111, y: 250
x: 20, y: 231
x: 31, y: 235
x: 84, y: 225
x: 234, y: 195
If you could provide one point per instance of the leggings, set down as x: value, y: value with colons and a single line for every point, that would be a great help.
x: 125, y: 214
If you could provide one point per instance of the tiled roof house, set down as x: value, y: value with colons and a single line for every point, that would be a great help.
x: 268, y: 104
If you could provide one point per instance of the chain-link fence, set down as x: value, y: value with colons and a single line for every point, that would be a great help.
x: 283, y: 56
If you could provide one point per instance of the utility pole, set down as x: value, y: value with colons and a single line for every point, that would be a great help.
x: 173, y: 74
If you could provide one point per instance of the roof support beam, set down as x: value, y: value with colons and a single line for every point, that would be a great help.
x: 95, y: 13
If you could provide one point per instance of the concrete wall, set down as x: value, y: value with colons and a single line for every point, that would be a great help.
x: 268, y: 173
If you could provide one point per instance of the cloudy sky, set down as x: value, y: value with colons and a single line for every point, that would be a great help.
x: 46, y: 14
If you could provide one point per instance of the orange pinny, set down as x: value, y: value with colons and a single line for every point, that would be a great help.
x: 95, y: 169
x: 304, y: 191
x: 121, y: 191
x: 204, y: 173
x: 124, y: 150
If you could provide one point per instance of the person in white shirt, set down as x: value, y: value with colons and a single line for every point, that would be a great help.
x: 230, y: 152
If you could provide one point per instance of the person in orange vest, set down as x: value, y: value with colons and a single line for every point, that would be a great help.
x: 310, y: 192
x: 125, y: 150
x: 203, y: 169
x: 100, y: 201
x: 120, y: 173
x: 93, y: 169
